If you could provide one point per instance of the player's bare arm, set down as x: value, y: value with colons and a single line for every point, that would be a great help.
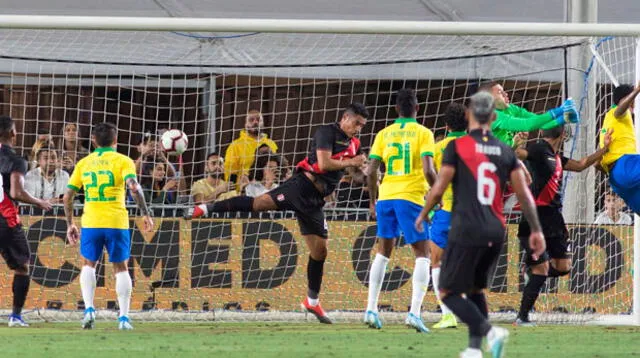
x: 73, y: 234
x: 520, y: 187
x: 586, y: 162
x: 429, y: 169
x: 435, y: 194
x: 20, y: 194
x: 138, y: 196
x: 372, y: 184
x: 326, y: 163
x: 626, y: 102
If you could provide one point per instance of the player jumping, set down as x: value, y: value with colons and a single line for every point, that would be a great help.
x: 406, y: 148
x: 456, y: 122
x: 546, y: 166
x: 334, y: 147
x: 478, y: 165
x: 105, y: 220
x: 13, y: 242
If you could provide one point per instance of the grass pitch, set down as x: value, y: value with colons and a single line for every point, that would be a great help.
x: 301, y: 340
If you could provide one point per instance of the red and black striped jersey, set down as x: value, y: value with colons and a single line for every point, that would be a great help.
x: 330, y: 138
x: 545, y: 167
x: 483, y: 165
x: 10, y: 162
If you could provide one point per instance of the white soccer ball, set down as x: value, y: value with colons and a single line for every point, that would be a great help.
x: 174, y: 141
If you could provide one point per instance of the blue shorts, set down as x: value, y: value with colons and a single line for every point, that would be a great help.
x: 117, y: 242
x: 399, y: 215
x: 624, y: 179
x: 440, y: 225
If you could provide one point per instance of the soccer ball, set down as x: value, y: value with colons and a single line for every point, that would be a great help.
x: 174, y: 141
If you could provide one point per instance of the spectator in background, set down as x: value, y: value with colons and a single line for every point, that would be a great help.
x: 352, y: 191
x: 241, y: 152
x: 47, y: 181
x: 44, y: 140
x: 213, y: 187
x: 71, y: 149
x: 613, y: 214
x: 265, y: 175
x: 151, y: 152
x: 158, y: 189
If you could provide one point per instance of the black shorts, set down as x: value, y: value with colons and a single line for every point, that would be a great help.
x: 14, y: 247
x: 466, y: 268
x: 300, y: 195
x: 555, y: 234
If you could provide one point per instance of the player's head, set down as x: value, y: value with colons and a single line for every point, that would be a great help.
x: 555, y: 136
x: 353, y: 118
x: 104, y: 135
x: 8, y: 131
x: 406, y: 103
x: 215, y: 166
x: 47, y: 159
x: 254, y: 121
x: 621, y: 92
x: 481, y: 109
x: 500, y: 97
x: 455, y: 117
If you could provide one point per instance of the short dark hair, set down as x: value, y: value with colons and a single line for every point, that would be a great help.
x: 406, y: 102
x: 621, y: 92
x: 6, y: 125
x: 105, y: 134
x: 358, y: 109
x: 257, y: 172
x: 454, y: 117
x: 213, y: 154
x: 553, y: 133
x: 487, y: 86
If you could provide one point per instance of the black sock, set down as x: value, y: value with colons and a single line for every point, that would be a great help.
x: 314, y: 277
x: 20, y: 290
x: 469, y: 314
x: 238, y: 203
x: 480, y: 300
x: 530, y: 295
x: 553, y: 272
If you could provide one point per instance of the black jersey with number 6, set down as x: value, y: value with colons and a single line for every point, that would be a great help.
x: 483, y: 166
x: 9, y: 162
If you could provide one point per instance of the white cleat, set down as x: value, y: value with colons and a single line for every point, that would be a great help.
x: 124, y: 324
x: 471, y: 353
x: 88, y: 322
x: 496, y: 340
x: 17, y: 321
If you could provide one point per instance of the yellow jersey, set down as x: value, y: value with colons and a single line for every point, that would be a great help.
x: 401, y: 147
x: 623, y: 138
x: 447, y: 197
x: 242, y: 152
x: 103, y: 174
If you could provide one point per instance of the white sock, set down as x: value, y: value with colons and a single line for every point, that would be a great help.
x: 313, y: 301
x: 123, y: 290
x: 88, y: 285
x: 376, y: 277
x: 435, y: 278
x: 420, y: 281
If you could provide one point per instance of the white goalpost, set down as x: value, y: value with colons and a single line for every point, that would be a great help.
x: 202, y: 76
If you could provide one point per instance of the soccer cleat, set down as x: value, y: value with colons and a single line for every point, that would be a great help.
x: 317, y: 311
x: 124, y: 324
x: 17, y: 321
x: 471, y: 353
x: 89, y: 319
x: 496, y: 340
x: 196, y: 212
x: 447, y: 321
x: 372, y: 320
x: 416, y: 323
x: 523, y: 323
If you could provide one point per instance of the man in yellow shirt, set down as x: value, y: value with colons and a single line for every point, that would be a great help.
x: 456, y: 122
x: 213, y: 187
x: 104, y: 174
x: 406, y: 148
x: 622, y: 161
x: 242, y: 152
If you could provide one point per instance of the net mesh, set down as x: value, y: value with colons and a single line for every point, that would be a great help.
x: 58, y: 84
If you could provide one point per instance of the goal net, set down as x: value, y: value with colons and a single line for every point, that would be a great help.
x: 58, y: 84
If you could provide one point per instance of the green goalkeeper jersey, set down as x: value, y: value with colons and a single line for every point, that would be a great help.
x: 515, y: 119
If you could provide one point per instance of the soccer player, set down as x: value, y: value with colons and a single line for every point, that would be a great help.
x: 622, y: 162
x: 334, y: 147
x: 456, y: 122
x: 478, y: 165
x: 13, y: 242
x: 511, y: 118
x: 104, y: 174
x: 546, y: 166
x: 406, y: 148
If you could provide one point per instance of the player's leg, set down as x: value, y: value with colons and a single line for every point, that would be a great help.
x: 440, y: 225
x: 538, y: 271
x: 118, y: 245
x: 387, y: 232
x: 91, y: 246
x: 560, y: 253
x: 15, y: 251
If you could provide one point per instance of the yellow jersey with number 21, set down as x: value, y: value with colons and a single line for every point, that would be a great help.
x: 103, y: 175
x: 401, y: 147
